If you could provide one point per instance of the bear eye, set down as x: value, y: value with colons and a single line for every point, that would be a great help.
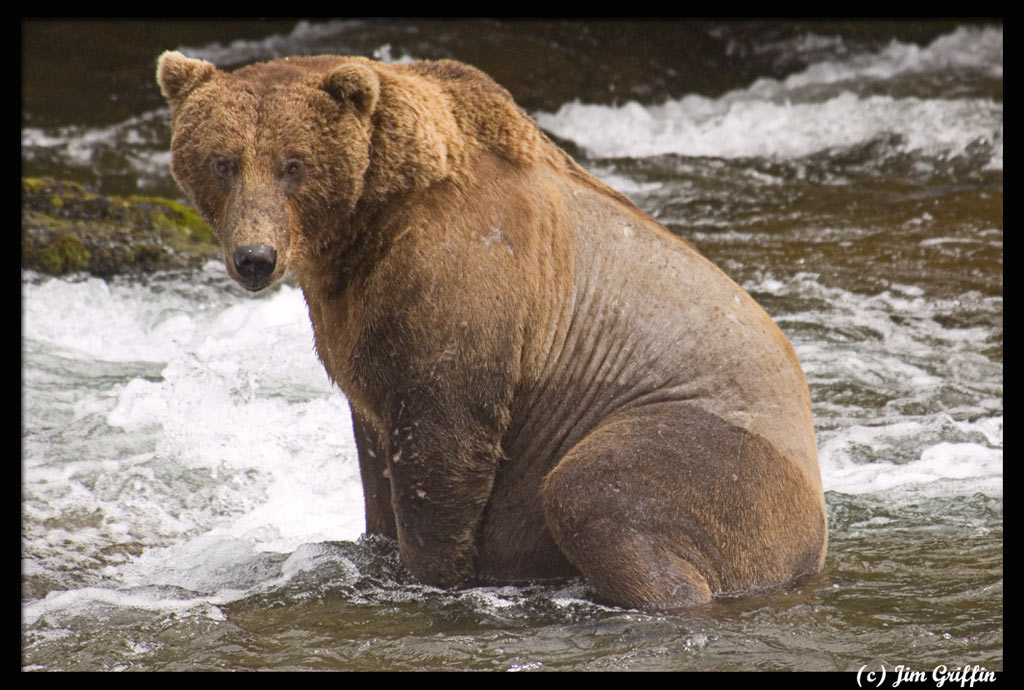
x: 224, y: 167
x: 292, y: 172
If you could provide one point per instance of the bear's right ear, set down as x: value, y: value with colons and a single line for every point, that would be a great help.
x: 354, y: 84
x: 179, y: 76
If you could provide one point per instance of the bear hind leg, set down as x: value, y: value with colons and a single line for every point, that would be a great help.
x: 664, y: 506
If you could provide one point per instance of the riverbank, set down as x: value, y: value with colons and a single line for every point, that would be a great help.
x: 67, y: 228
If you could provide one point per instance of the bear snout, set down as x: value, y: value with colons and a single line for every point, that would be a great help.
x: 254, y: 264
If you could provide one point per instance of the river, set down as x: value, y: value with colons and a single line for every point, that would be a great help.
x: 190, y: 490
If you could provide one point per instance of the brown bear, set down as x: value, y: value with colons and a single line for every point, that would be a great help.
x: 544, y: 381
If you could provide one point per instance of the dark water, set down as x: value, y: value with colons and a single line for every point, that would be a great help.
x: 191, y: 501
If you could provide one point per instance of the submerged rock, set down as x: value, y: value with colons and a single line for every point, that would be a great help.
x: 65, y: 228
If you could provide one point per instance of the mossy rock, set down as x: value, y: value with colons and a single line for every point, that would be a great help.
x: 66, y: 228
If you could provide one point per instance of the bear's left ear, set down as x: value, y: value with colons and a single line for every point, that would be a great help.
x: 353, y: 84
x: 179, y: 76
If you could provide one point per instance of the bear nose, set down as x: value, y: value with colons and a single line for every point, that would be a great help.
x: 255, y: 263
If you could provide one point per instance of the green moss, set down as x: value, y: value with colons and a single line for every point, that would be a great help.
x: 56, y: 189
x: 67, y: 228
x: 169, y: 214
x: 198, y: 228
x: 36, y: 185
x: 66, y: 254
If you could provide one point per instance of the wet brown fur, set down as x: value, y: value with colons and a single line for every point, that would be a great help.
x: 543, y: 380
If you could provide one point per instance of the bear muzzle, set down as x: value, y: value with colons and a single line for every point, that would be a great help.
x: 254, y: 265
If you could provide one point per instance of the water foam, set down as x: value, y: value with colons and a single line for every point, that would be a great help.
x: 250, y: 449
x: 135, y: 146
x: 977, y: 49
x: 789, y: 118
x: 891, y: 412
x: 248, y: 395
x: 89, y: 601
x: 948, y: 468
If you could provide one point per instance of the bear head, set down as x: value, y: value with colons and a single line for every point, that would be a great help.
x: 276, y: 156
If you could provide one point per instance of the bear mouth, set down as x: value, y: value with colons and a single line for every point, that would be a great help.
x: 253, y: 287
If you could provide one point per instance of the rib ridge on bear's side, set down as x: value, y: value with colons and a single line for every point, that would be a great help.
x: 544, y: 381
